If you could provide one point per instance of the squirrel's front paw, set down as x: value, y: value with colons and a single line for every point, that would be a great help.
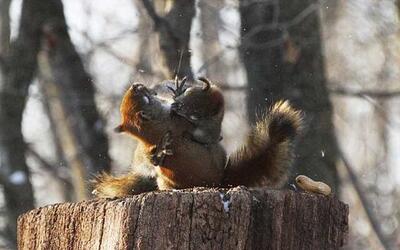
x: 179, y: 87
x: 159, y: 152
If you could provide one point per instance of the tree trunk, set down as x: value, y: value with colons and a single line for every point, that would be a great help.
x: 74, y: 87
x: 210, y: 47
x: 18, y: 64
x: 190, y: 219
x: 173, y: 22
x: 4, y: 26
x: 282, y: 52
x: 149, y: 67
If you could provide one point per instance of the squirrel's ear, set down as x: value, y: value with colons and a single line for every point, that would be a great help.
x: 206, y: 83
x: 119, y: 129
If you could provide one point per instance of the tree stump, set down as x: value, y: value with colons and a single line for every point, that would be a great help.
x: 238, y: 218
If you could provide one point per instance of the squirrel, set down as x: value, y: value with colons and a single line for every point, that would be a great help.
x: 270, y: 140
x: 268, y: 152
x: 203, y: 107
x: 183, y: 163
x: 178, y: 162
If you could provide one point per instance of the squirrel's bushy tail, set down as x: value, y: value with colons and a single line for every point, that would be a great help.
x: 108, y: 186
x: 265, y: 158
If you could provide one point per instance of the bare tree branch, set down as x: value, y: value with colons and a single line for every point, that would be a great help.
x: 50, y: 168
x: 365, y: 93
x: 61, y: 173
x: 157, y: 19
x: 365, y: 203
x: 281, y: 28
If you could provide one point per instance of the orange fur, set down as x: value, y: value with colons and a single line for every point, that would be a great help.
x: 192, y: 164
x: 107, y: 186
x: 265, y: 158
x: 262, y: 161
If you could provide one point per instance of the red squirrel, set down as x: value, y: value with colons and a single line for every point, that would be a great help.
x: 203, y: 106
x: 163, y: 141
x: 183, y: 163
x: 268, y: 144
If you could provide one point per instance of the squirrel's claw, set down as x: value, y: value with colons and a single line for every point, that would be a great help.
x: 179, y: 87
x: 161, y: 150
x: 167, y: 152
x: 172, y: 90
x: 175, y: 106
x: 165, y: 141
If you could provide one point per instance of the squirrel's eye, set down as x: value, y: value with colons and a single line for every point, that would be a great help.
x: 146, y: 99
x: 144, y: 116
x: 193, y: 117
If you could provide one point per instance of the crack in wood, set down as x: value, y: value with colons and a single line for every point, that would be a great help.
x: 190, y: 219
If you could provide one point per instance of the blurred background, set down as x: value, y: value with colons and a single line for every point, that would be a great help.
x: 64, y: 66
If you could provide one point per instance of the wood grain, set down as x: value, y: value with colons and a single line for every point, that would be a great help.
x: 237, y: 218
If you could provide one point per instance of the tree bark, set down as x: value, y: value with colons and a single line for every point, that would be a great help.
x: 173, y: 22
x: 238, y: 218
x: 282, y: 53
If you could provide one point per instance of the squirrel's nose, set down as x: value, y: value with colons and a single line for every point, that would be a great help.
x: 176, y: 106
x: 136, y: 86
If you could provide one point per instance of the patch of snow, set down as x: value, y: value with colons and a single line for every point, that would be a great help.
x: 18, y: 178
x: 225, y: 202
